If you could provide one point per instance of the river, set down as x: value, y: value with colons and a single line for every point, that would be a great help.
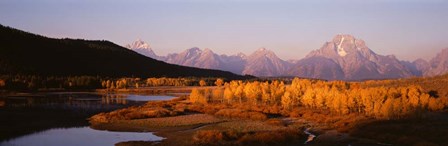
x: 51, y: 119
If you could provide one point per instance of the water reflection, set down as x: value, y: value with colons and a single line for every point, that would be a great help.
x: 33, y: 113
x: 79, y: 101
x: 82, y: 136
x: 114, y: 99
x: 149, y: 98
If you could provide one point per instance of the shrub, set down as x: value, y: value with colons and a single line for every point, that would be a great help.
x: 279, y: 137
x: 295, y: 113
x: 208, y: 137
x: 132, y: 113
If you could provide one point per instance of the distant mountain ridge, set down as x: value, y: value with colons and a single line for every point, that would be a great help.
x: 342, y: 58
x: 348, y: 58
x: 436, y: 66
x: 262, y: 62
x: 26, y: 53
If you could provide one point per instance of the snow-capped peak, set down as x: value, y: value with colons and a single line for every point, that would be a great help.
x: 341, y: 50
x: 143, y: 48
x: 261, y: 49
x: 194, y: 50
x: 138, y: 44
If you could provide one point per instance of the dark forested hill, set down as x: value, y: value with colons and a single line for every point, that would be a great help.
x: 26, y: 53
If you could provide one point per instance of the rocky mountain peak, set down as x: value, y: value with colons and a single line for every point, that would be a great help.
x: 241, y: 55
x: 344, y: 46
x: 138, y: 44
x: 263, y: 52
x: 348, y: 44
x: 344, y: 57
x: 438, y: 64
x: 348, y: 58
x: 262, y: 49
x: 143, y: 48
x: 194, y: 50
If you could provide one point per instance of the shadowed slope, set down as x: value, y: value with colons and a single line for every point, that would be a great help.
x: 26, y: 53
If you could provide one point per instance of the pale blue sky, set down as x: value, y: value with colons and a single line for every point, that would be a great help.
x: 292, y: 28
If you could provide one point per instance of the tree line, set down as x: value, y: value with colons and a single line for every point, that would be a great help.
x: 36, y: 82
x: 390, y: 102
x: 125, y: 83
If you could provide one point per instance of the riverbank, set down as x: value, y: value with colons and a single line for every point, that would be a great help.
x: 155, y: 89
x: 203, y: 129
x: 195, y: 124
x: 140, y: 90
x: 184, y: 123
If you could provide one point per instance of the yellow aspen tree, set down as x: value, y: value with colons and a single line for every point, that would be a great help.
x: 202, y: 83
x: 398, y: 108
x: 344, y: 105
x: 239, y: 92
x: 228, y: 95
x: 108, y: 84
x: 387, y: 110
x: 413, y: 95
x: 252, y: 92
x: 279, y: 91
x: 320, y: 98
x: 424, y: 100
x: 435, y: 104
x: 286, y: 101
x: 219, y: 82
x: 337, y: 103
x: 377, y: 109
x: 266, y: 97
x: 112, y: 86
x: 195, y: 95
x: 218, y: 94
x: 103, y: 84
x: 308, y: 98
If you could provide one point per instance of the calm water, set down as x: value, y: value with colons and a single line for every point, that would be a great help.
x: 83, y: 136
x: 61, y: 118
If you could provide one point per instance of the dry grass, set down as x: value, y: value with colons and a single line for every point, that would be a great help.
x: 206, y: 108
x: 248, y: 126
x: 149, y: 110
x: 183, y: 120
x: 132, y: 113
x: 237, y: 113
x: 276, y: 122
x: 328, y: 120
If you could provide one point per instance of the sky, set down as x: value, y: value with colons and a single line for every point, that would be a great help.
x: 409, y: 29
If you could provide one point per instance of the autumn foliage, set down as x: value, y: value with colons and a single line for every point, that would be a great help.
x: 2, y: 83
x: 389, y: 102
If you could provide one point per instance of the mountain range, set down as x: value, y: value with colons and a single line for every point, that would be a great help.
x: 343, y: 58
x: 30, y: 54
x: 262, y: 62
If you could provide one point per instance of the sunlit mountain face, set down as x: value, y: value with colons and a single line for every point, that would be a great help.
x: 343, y: 58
